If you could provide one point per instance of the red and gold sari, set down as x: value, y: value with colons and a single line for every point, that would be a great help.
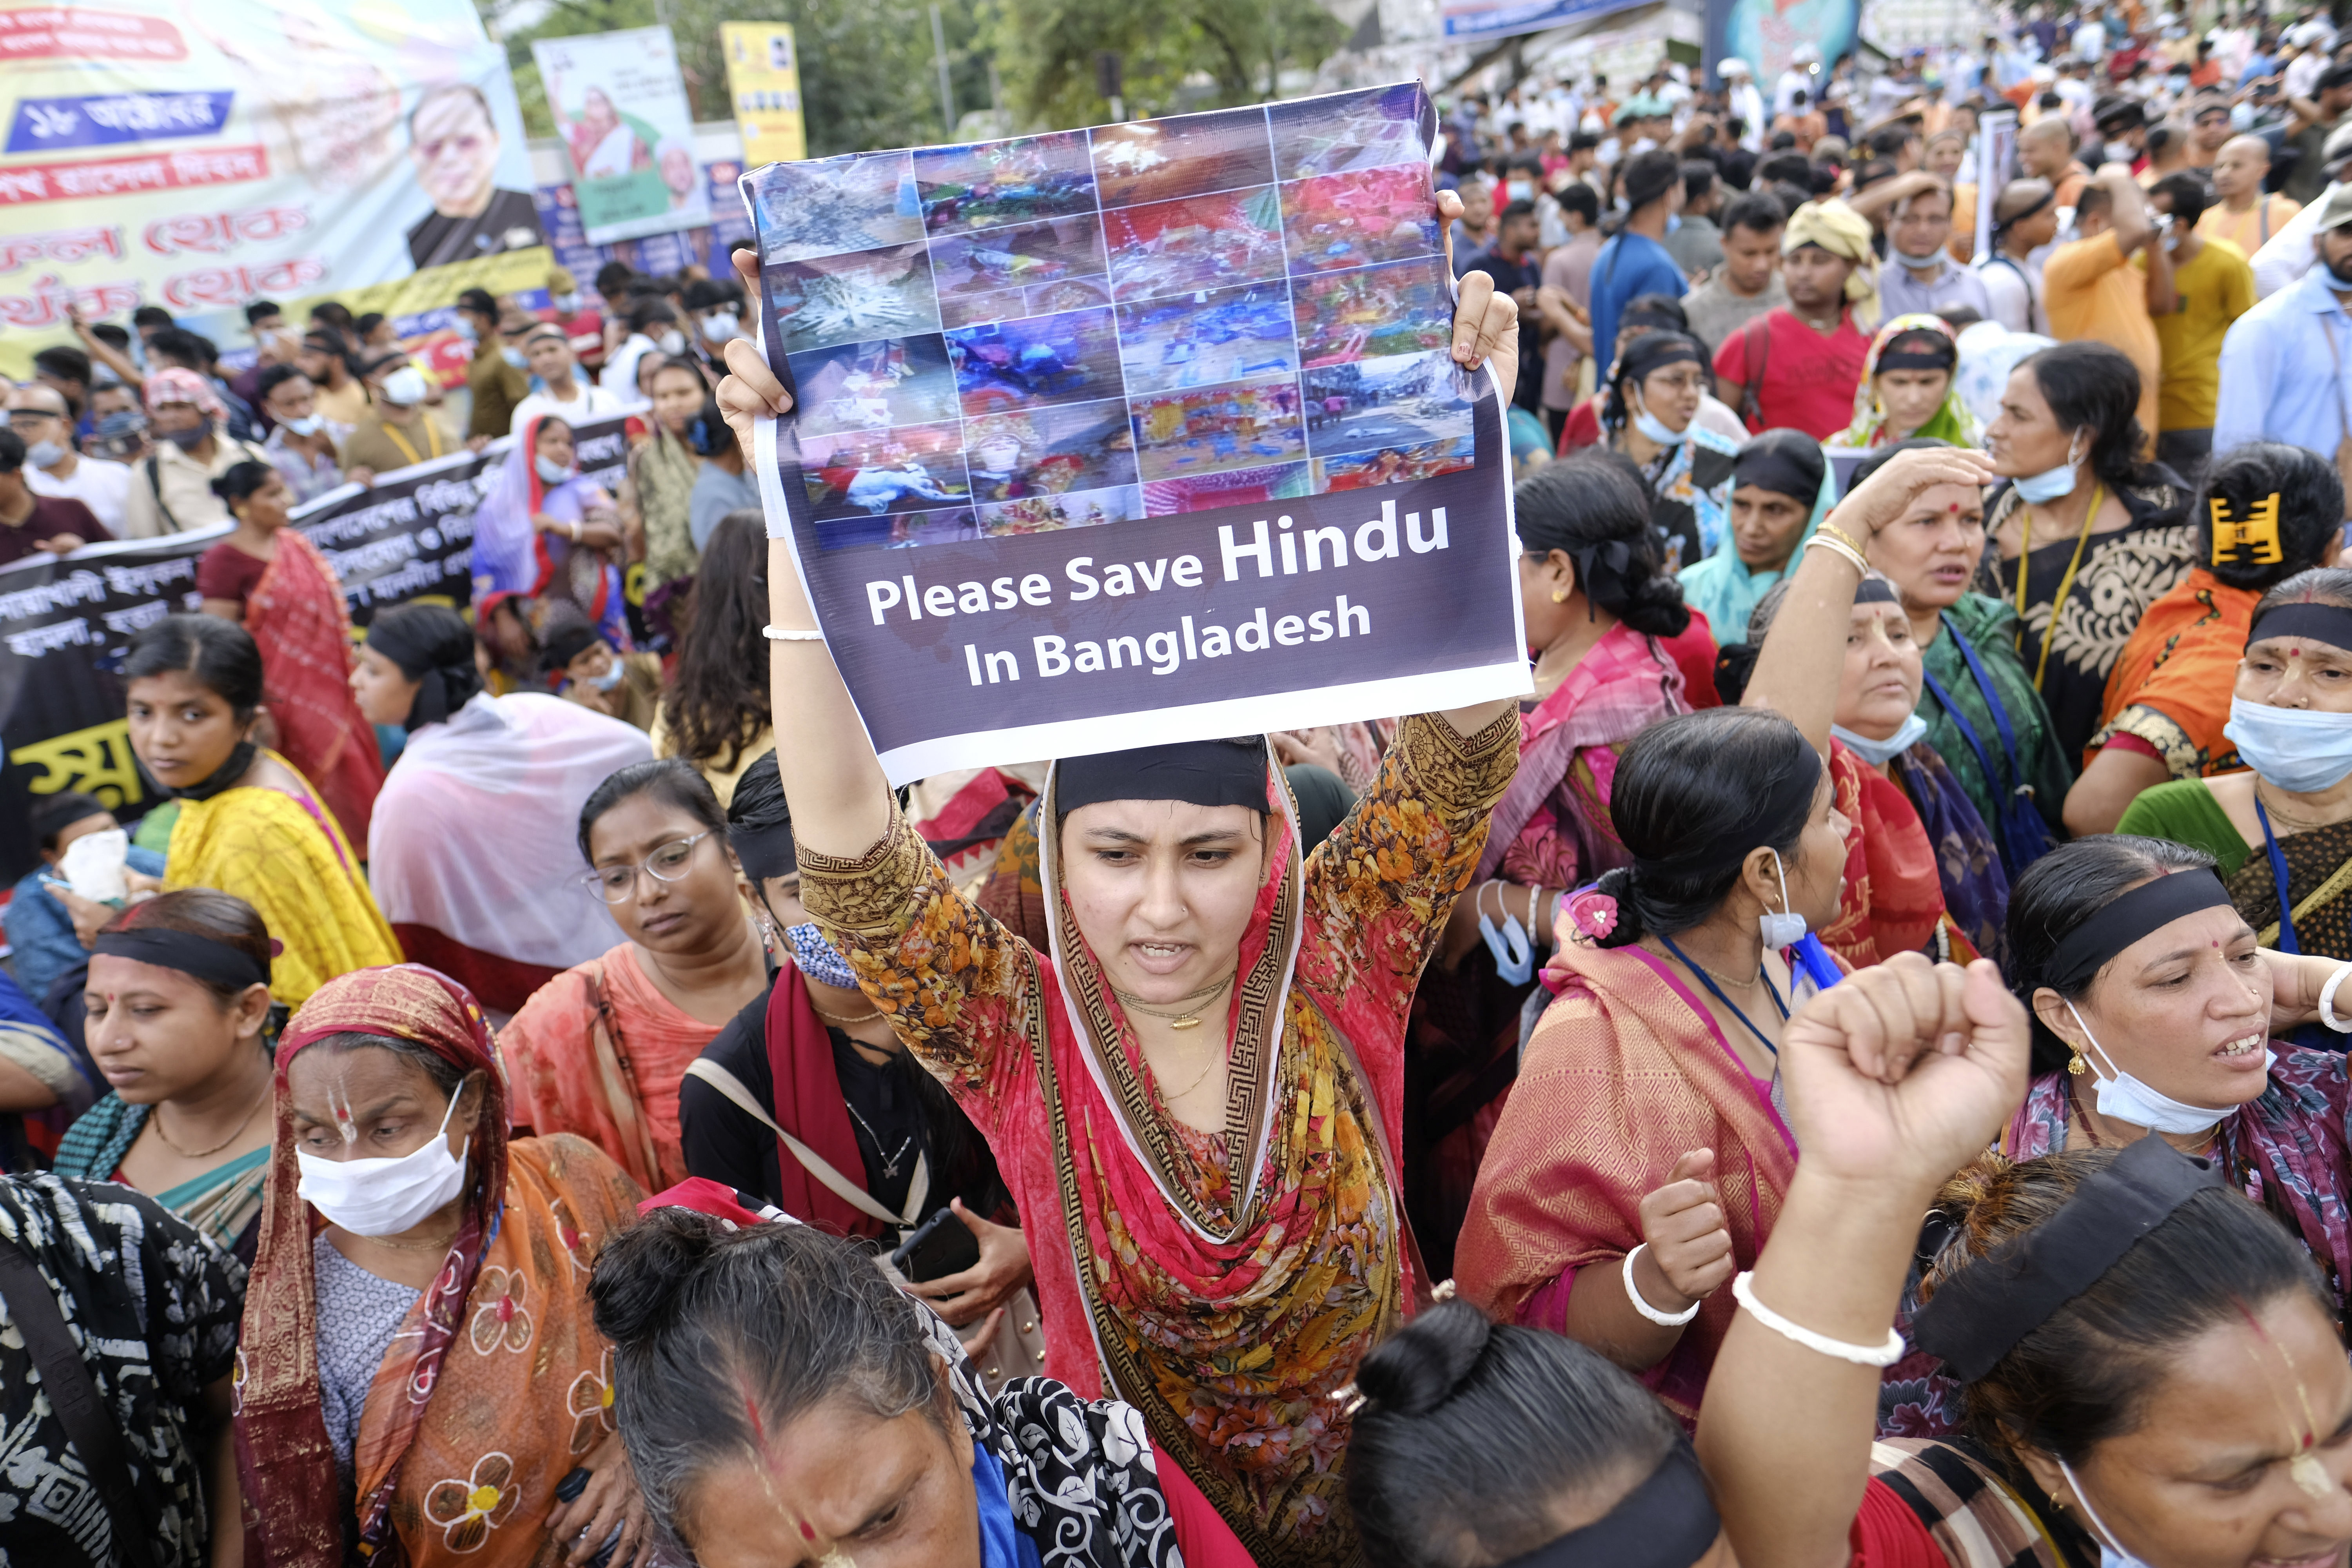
x: 496, y: 1383
x: 298, y: 620
x: 1893, y: 899
x: 1225, y: 1284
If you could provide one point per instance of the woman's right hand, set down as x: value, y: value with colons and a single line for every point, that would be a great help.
x: 1903, y: 1072
x: 89, y: 916
x: 1887, y: 496
x: 1687, y: 1246
x: 749, y: 389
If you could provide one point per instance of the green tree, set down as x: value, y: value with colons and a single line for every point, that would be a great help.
x: 1179, y: 54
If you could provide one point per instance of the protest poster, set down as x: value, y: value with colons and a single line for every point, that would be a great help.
x: 201, y: 157
x: 656, y: 254
x: 763, y: 80
x: 1143, y: 433
x: 65, y: 622
x: 620, y: 108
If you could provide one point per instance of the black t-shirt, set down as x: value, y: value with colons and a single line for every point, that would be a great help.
x: 1510, y: 277
x: 903, y: 1112
x: 509, y: 223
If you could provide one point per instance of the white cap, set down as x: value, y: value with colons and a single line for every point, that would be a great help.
x: 1732, y: 65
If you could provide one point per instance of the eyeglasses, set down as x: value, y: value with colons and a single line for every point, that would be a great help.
x: 618, y: 884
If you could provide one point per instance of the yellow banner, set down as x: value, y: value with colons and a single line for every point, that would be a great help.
x: 763, y: 77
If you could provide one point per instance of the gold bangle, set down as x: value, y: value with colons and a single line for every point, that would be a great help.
x: 1843, y: 537
x: 1839, y: 547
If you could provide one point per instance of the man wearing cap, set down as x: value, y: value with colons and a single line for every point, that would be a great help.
x: 172, y: 491
x: 2314, y: 121
x: 2123, y: 126
x: 2286, y: 365
x: 563, y: 392
x: 1637, y: 260
x: 2210, y: 129
x: 2287, y: 254
x: 1797, y: 367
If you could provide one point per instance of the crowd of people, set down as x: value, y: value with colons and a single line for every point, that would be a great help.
x: 1849, y: 1068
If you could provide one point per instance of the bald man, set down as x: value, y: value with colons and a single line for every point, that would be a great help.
x: 53, y: 469
x: 2245, y: 215
x: 2024, y: 220
x: 2045, y: 151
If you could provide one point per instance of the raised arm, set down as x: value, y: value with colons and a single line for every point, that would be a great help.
x: 1896, y: 1079
x: 1803, y: 656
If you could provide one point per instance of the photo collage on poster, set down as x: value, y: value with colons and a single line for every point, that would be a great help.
x: 1092, y: 327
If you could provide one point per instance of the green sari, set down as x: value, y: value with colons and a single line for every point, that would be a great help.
x: 1989, y: 626
x: 223, y: 1203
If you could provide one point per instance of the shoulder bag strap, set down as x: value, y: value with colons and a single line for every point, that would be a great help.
x: 73, y: 1395
x: 155, y: 486
x: 1755, y: 351
x: 816, y: 1164
x: 619, y: 1079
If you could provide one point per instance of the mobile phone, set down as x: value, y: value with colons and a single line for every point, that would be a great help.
x: 943, y: 1245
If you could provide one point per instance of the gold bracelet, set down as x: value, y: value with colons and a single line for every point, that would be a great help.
x: 1843, y: 537
x: 1839, y: 547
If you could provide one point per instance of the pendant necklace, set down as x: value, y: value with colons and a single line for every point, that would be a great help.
x: 1181, y: 1018
x: 889, y: 1160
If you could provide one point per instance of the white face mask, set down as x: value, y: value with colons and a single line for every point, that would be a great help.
x: 2110, y: 1556
x: 1877, y: 753
x: 567, y: 303
x: 720, y: 326
x: 1786, y: 929
x: 405, y: 386
x: 672, y: 342
x: 554, y: 472
x: 386, y: 1196
x: 2126, y: 1098
x: 307, y: 425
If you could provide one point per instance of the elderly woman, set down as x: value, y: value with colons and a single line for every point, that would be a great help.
x: 1651, y: 416
x: 419, y: 1372
x: 872, y: 1440
x: 1177, y: 1159
x: 1909, y: 387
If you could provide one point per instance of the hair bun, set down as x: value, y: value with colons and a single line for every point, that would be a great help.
x: 1417, y: 1368
x: 1617, y: 884
x: 644, y: 1269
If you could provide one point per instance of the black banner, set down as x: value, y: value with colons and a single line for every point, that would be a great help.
x: 65, y: 622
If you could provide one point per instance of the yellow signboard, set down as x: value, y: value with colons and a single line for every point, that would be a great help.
x: 764, y: 77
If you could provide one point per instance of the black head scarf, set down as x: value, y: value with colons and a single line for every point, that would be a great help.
x: 1199, y: 772
x: 1651, y: 352
x: 435, y: 647
x: 1786, y: 462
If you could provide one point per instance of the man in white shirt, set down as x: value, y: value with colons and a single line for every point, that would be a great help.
x: 2024, y: 220
x: 36, y: 411
x: 563, y: 391
x: 1744, y: 102
x: 2287, y: 256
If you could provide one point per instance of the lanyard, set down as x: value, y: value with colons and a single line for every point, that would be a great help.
x: 1716, y: 992
x: 2286, y: 942
x: 2065, y: 584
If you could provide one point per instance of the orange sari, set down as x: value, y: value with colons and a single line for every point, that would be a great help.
x: 496, y: 1383
x: 623, y: 1099
x: 298, y: 620
x: 2168, y: 694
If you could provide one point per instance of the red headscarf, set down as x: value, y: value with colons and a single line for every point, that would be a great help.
x: 284, y: 1459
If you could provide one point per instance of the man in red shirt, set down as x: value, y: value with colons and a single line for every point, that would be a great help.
x: 1796, y: 366
x: 29, y: 522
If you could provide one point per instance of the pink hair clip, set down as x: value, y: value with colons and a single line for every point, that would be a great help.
x: 1592, y: 913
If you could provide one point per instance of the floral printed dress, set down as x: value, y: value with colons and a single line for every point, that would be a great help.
x: 1225, y: 1284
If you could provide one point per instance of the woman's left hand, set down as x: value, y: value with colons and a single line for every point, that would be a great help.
x: 546, y: 524
x: 611, y: 1498
x: 1004, y: 1267
x: 2297, y: 981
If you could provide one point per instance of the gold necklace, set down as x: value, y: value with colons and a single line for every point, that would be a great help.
x: 1179, y: 1019
x: 440, y: 1246
x: 1188, y: 1089
x: 1746, y: 984
x: 838, y: 1018
x: 242, y: 1123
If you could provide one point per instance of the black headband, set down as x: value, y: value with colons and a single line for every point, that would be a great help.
x: 1876, y: 591
x: 213, y: 962
x: 765, y: 852
x: 2329, y: 623
x: 1657, y: 321
x: 1667, y: 1522
x: 1919, y: 348
x: 1199, y: 772
x: 1786, y: 462
x: 1979, y: 1314
x: 2125, y: 919
x: 1655, y: 351
x: 2017, y: 217
x: 1793, y: 798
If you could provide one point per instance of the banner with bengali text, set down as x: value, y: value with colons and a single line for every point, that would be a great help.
x: 202, y: 157
x: 66, y: 621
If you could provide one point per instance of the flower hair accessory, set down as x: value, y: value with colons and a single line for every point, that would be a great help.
x: 1592, y: 913
x: 2257, y: 533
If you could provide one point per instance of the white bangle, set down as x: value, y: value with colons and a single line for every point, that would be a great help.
x: 2327, y: 1001
x: 1884, y: 1355
x: 785, y: 633
x: 575, y: 530
x: 1641, y: 1305
x: 1840, y: 547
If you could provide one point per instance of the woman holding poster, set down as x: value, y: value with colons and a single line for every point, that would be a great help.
x: 1230, y: 1192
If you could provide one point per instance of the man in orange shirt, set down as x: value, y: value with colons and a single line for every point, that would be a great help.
x: 2045, y: 151
x: 2088, y: 289
x: 2245, y: 215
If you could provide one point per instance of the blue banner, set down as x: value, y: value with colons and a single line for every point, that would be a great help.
x: 107, y: 119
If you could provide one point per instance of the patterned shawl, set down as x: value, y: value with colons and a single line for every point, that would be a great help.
x: 1951, y: 422
x: 2171, y: 684
x: 1967, y: 863
x: 298, y: 619
x: 1225, y: 1285
x: 665, y: 472
x: 2287, y: 1151
x: 506, y: 1320
x: 1892, y: 901
x: 1625, y: 1072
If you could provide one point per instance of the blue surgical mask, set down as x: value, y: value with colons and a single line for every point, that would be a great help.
x: 2126, y: 1098
x: 2300, y: 750
x: 567, y: 303
x: 609, y: 679
x: 45, y: 454
x: 1651, y: 426
x: 551, y: 472
x: 1878, y: 753
x: 1515, y: 955
x: 817, y: 958
x: 1788, y: 928
x: 515, y: 357
x: 2035, y: 489
x: 309, y: 424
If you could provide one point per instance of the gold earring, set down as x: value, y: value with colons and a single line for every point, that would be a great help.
x: 1559, y: 597
x: 2075, y: 1064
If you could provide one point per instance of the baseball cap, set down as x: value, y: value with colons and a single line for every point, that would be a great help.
x: 2337, y: 210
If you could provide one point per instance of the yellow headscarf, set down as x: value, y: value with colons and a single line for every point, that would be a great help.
x: 1842, y: 231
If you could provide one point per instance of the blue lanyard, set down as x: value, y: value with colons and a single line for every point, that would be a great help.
x: 1716, y: 992
x: 2286, y: 942
x: 2022, y: 841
